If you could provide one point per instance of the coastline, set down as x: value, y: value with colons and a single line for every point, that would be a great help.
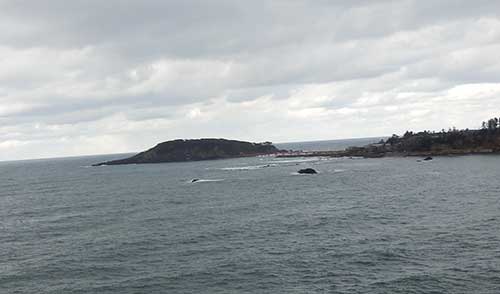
x: 453, y: 142
x: 367, y: 154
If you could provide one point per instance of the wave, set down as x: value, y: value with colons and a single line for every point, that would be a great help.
x: 250, y: 167
x: 204, y: 180
x: 296, y: 160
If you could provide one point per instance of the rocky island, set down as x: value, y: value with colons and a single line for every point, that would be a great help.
x: 196, y: 149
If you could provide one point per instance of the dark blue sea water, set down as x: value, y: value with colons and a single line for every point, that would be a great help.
x: 251, y: 225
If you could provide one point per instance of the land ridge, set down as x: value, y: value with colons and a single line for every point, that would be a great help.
x: 452, y: 142
x: 196, y: 149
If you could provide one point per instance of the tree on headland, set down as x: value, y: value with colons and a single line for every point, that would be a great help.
x: 392, y: 140
x: 491, y: 125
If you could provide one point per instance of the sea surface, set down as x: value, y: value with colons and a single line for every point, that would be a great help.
x: 328, y: 145
x: 251, y: 225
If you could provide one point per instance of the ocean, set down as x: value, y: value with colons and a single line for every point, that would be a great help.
x: 251, y: 225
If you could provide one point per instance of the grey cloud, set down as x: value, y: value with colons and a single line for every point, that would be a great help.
x: 224, y: 28
x: 170, y: 64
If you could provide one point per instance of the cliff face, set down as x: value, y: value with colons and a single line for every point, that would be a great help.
x: 197, y: 149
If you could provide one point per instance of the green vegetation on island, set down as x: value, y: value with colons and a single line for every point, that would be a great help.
x: 196, y: 149
x: 426, y: 143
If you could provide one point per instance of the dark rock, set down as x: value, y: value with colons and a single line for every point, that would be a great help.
x: 307, y: 171
x: 197, y: 149
x: 428, y: 158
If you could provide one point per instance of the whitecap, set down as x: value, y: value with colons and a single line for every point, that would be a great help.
x: 296, y: 160
x: 193, y: 181
x: 250, y: 167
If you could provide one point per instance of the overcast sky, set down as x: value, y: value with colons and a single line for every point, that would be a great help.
x: 93, y: 77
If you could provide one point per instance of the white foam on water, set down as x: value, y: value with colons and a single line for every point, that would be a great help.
x: 296, y: 160
x: 204, y: 181
x: 250, y: 167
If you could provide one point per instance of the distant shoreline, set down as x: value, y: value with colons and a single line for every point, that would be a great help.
x: 452, y: 142
x: 346, y: 153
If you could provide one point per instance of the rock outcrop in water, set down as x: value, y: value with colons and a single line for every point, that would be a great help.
x: 309, y: 171
x: 196, y: 149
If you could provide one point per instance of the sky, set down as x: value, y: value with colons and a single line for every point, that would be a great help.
x: 94, y: 77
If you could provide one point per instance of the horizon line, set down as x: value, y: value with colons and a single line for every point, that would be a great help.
x: 134, y: 152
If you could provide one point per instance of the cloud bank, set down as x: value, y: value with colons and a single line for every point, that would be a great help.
x: 88, y: 77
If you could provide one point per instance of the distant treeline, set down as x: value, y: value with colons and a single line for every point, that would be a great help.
x: 484, y: 140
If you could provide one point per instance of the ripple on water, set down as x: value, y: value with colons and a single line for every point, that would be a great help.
x: 360, y: 226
